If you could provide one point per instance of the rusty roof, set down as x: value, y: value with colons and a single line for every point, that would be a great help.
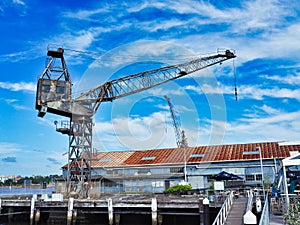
x: 110, y: 159
x: 199, y: 154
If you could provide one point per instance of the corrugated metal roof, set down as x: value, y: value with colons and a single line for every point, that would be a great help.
x: 110, y: 159
x: 199, y: 154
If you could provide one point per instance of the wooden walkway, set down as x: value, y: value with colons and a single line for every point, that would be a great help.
x: 237, y: 211
x: 276, y: 217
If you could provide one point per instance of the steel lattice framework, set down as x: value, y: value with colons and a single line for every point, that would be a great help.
x: 54, y: 95
x: 181, y: 140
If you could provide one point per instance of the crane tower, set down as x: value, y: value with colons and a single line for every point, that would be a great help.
x: 54, y: 95
x: 181, y: 140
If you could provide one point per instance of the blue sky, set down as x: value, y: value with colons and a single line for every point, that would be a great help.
x: 123, y: 37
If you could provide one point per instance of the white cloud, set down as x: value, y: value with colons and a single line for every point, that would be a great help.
x: 289, y: 79
x: 270, y: 110
x: 163, y: 91
x: 15, y: 56
x: 20, y: 86
x: 247, y: 91
x: 84, y: 14
x: 258, y: 93
x: 15, y: 104
x: 280, y: 126
x: 148, y: 132
x: 18, y: 2
x: 10, y: 148
x: 252, y: 14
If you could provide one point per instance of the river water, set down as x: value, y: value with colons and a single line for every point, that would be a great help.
x: 11, y: 191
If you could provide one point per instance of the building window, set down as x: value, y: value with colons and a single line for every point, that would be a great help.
x: 149, y: 158
x: 176, y: 170
x: 258, y: 177
x: 105, y: 160
x: 112, y: 172
x: 250, y: 177
x: 254, y: 177
x: 143, y: 171
x: 109, y: 183
x: 197, y: 155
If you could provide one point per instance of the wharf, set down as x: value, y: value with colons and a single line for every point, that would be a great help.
x: 119, y: 200
x: 113, y: 207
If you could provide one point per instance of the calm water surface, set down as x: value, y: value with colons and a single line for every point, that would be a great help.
x: 24, y: 191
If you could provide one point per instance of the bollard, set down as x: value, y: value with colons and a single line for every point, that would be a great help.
x: 70, y: 210
x: 32, y: 211
x: 0, y: 205
x: 159, y: 219
x: 10, y: 214
x: 249, y: 218
x: 110, y: 211
x: 117, y: 218
x: 154, y: 211
x: 37, y: 216
x: 74, y: 216
x: 206, y: 211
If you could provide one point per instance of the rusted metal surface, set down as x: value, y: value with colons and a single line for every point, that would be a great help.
x: 175, y: 155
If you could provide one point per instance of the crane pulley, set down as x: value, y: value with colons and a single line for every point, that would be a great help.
x: 54, y: 95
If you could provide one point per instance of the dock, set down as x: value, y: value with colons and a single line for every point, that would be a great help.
x: 237, y: 211
x: 119, y: 209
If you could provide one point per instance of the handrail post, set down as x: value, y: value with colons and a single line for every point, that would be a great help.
x: 206, y: 211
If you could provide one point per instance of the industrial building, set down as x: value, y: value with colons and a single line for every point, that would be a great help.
x: 157, y: 170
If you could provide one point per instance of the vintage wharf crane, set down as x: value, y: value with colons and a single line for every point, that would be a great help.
x: 54, y: 95
x: 181, y: 139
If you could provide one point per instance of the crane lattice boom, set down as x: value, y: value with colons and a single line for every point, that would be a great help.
x: 131, y: 84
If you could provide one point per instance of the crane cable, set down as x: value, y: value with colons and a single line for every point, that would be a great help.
x: 119, y: 57
x: 235, y: 86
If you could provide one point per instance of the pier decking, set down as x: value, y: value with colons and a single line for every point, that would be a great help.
x: 237, y: 211
x: 153, y: 208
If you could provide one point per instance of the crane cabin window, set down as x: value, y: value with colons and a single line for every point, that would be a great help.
x: 60, y: 89
x: 46, y: 87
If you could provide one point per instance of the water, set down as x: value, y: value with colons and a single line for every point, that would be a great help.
x: 24, y: 191
x: 11, y: 191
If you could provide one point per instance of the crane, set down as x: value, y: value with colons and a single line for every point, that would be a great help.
x: 54, y: 95
x: 181, y: 140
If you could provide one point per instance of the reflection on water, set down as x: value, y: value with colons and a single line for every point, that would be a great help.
x: 12, y: 191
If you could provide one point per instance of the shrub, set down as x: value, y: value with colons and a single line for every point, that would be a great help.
x: 178, y: 189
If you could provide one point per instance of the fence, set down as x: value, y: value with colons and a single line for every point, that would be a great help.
x: 223, y: 213
x: 290, y: 211
x: 265, y: 215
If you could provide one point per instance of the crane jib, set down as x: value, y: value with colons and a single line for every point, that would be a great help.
x: 135, y: 83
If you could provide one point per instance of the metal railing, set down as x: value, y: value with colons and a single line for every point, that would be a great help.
x: 250, y: 200
x: 265, y: 215
x: 224, y: 211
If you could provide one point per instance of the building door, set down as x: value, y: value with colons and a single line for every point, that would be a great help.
x: 167, y: 184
